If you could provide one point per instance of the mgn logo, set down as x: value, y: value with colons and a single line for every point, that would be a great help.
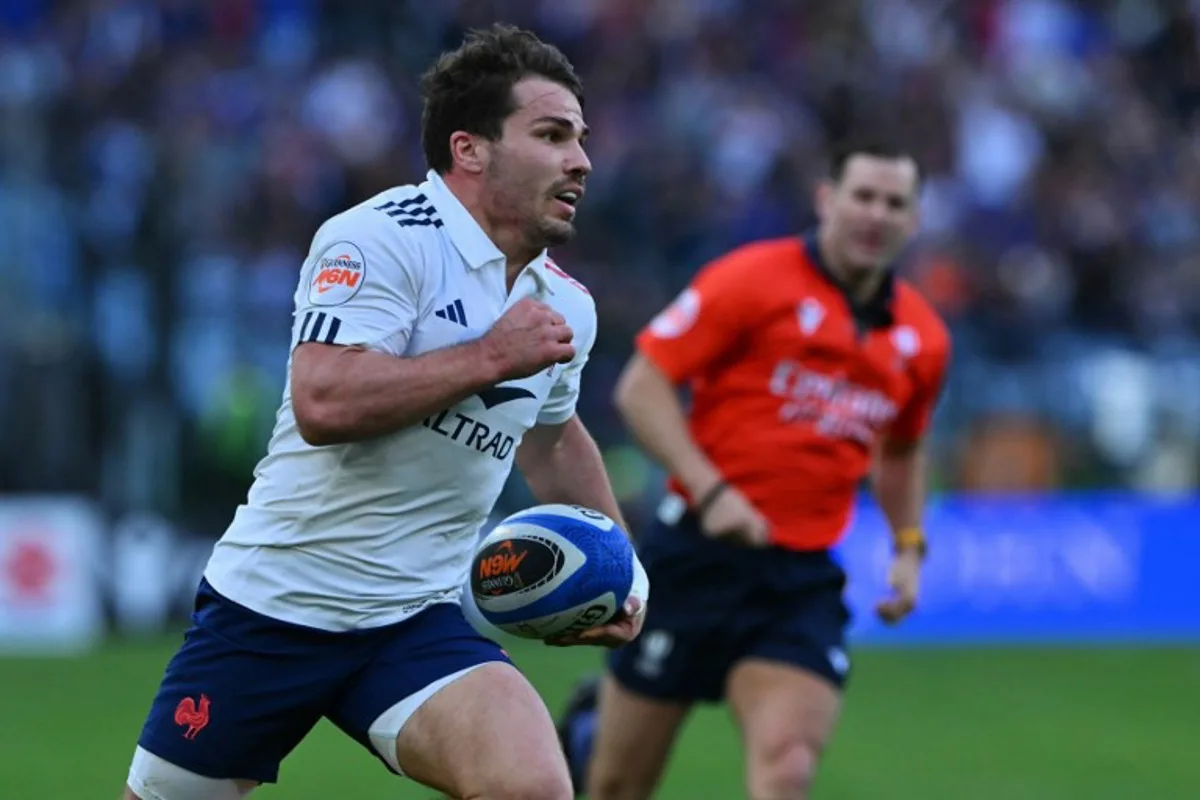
x: 499, y: 572
x: 513, y: 566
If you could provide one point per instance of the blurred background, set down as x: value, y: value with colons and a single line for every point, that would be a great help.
x: 164, y: 164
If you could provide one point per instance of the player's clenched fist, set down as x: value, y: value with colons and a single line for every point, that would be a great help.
x: 528, y: 338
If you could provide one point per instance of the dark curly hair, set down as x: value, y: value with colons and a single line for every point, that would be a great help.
x: 470, y: 89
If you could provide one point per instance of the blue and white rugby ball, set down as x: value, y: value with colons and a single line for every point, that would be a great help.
x: 552, y: 570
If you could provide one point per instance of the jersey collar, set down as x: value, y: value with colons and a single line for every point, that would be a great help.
x: 876, y: 312
x: 473, y: 244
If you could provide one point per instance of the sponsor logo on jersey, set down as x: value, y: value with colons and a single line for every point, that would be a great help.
x: 810, y: 315
x: 836, y: 408
x: 468, y: 432
x: 338, y: 274
x: 677, y: 318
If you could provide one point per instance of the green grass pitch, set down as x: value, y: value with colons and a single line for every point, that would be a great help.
x: 931, y: 724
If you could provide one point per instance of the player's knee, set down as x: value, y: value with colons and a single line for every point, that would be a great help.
x: 784, y: 772
x: 607, y: 781
x: 545, y: 781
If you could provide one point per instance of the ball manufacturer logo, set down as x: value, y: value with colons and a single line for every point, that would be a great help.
x: 590, y: 617
x: 514, y: 565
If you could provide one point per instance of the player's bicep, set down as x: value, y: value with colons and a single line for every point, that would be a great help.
x: 702, y: 326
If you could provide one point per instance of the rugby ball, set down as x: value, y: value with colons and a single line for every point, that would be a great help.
x: 553, y: 570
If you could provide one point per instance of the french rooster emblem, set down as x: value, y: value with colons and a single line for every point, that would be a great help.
x: 186, y: 713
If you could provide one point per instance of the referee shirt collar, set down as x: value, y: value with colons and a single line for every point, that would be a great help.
x: 472, y: 243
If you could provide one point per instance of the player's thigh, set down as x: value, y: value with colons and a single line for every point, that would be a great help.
x: 154, y: 778
x: 486, y: 734
x: 633, y: 739
x: 786, y: 687
x: 781, y: 707
x: 446, y: 707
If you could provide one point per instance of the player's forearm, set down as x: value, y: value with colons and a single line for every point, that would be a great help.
x: 899, y: 485
x: 352, y: 394
x: 650, y: 406
x: 562, y: 464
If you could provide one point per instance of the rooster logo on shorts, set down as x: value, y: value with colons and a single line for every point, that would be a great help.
x: 186, y: 713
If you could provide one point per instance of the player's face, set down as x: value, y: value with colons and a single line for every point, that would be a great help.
x: 870, y: 214
x: 537, y: 171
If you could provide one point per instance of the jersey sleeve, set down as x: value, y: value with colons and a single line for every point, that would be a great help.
x: 564, y: 394
x: 930, y: 375
x: 704, y: 322
x: 359, y: 286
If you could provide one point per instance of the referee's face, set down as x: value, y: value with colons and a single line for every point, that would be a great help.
x: 538, y: 169
x: 871, y: 213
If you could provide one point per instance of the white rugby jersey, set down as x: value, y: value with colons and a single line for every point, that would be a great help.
x: 368, y: 533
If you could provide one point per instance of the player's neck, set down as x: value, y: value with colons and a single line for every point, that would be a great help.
x: 508, y: 239
x: 859, y: 285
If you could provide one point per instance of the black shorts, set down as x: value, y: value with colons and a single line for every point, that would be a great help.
x: 713, y: 604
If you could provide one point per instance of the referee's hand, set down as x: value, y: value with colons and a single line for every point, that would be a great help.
x: 734, y: 518
x: 530, y: 337
x: 904, y: 579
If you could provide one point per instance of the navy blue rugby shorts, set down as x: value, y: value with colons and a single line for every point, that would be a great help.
x: 714, y: 604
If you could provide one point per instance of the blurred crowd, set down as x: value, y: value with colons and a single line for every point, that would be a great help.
x: 164, y: 164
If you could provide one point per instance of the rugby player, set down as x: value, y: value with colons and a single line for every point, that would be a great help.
x: 434, y: 345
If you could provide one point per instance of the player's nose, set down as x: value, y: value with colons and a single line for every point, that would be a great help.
x: 578, y: 165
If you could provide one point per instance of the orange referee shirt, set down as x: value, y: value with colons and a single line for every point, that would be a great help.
x: 792, y: 388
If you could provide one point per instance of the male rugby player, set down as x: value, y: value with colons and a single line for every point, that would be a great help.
x: 810, y: 365
x: 434, y: 345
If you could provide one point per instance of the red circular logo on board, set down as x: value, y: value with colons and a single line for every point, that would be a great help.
x: 29, y: 568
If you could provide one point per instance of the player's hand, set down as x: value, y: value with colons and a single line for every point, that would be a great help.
x: 731, y: 516
x: 530, y: 337
x: 904, y: 578
x: 623, y: 628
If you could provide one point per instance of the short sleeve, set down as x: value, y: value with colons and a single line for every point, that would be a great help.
x: 704, y: 322
x: 564, y: 394
x: 930, y: 376
x: 359, y: 285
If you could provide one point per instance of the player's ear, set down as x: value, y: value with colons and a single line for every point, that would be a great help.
x: 470, y: 152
